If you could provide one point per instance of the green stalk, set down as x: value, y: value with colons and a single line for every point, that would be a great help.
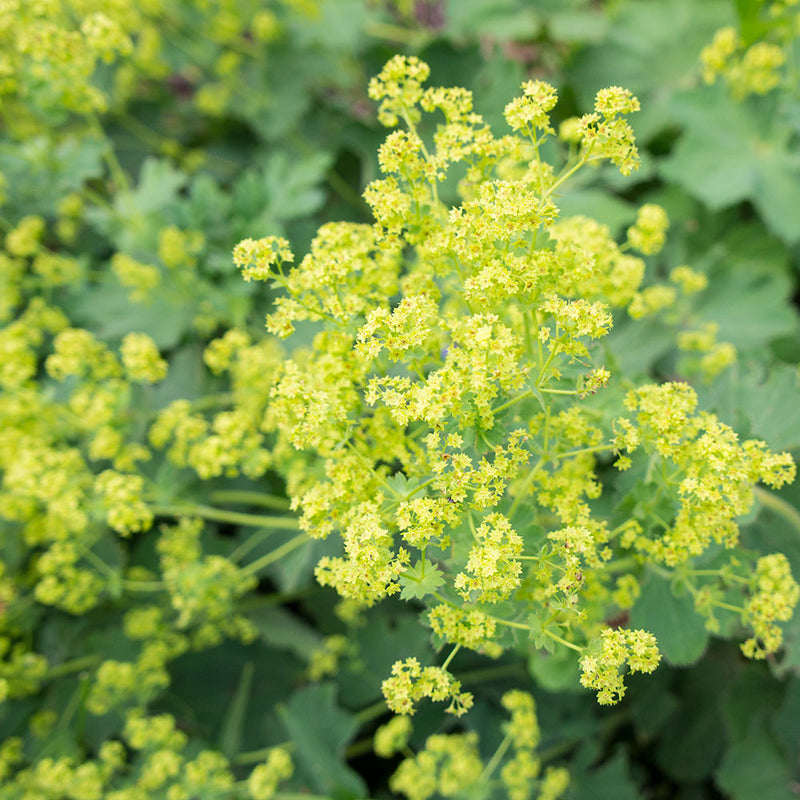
x: 495, y: 759
x: 275, y: 555
x: 250, y: 498
x: 68, y: 667
x: 778, y: 506
x: 221, y: 515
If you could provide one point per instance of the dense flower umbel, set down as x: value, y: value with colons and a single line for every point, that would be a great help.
x: 445, y: 416
x: 450, y: 765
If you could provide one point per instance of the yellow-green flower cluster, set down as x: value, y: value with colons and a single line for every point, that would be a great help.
x: 447, y: 764
x: 122, y: 496
x: 523, y: 726
x: 57, y: 270
x: 370, y: 569
x: 21, y: 671
x: 345, y: 274
x: 422, y: 521
x: 140, y: 279
x: 258, y: 258
x: 449, y: 403
x: 467, y: 627
x: 605, y: 133
x: 410, y: 682
x: 312, y: 406
x: 773, y: 598
x: 393, y: 736
x: 492, y: 571
x: 649, y: 232
x: 651, y: 300
x: 405, y: 329
x: 232, y: 442
x: 576, y: 549
x: 141, y: 359
x: 531, y: 111
x: 20, y: 339
x: 715, y: 472
x: 178, y: 248
x: 482, y: 360
x: 67, y: 777
x: 521, y: 775
x: 588, y: 263
x: 753, y: 69
x: 77, y: 352
x: 164, y: 767
x: 203, y: 589
x: 53, y: 50
x: 264, y: 779
x: 601, y: 670
x: 325, y: 659
x: 26, y: 238
x: 399, y: 88
x: 450, y: 765
x: 716, y: 356
x: 63, y: 581
x: 119, y: 683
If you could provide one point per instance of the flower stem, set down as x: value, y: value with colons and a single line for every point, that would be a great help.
x: 275, y: 555
x: 250, y: 498
x: 495, y: 759
x: 778, y: 506
x: 451, y: 656
x: 558, y: 639
x: 68, y: 667
x: 222, y: 515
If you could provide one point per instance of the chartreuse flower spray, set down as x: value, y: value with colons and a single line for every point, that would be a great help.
x: 452, y: 416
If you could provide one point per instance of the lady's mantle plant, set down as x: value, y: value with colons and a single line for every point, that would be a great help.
x: 455, y: 416
x: 456, y: 421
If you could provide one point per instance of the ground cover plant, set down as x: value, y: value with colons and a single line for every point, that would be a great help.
x: 500, y: 501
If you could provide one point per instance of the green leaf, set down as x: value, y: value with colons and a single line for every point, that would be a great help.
x: 690, y: 744
x: 293, y: 186
x: 321, y: 732
x: 203, y: 684
x: 401, y: 484
x: 107, y: 311
x: 599, y: 205
x: 335, y: 24
x: 785, y: 721
x: 750, y: 700
x: 651, y: 703
x: 557, y: 671
x: 633, y: 346
x: 295, y: 570
x: 612, y: 781
x: 422, y: 579
x: 37, y: 175
x: 158, y: 186
x: 391, y: 634
x: 283, y: 630
x: 751, y: 25
x: 282, y: 189
x: 763, y: 398
x: 675, y: 31
x: 679, y: 630
x: 230, y: 737
x: 500, y: 20
x: 750, y: 309
x: 737, y: 151
x: 578, y: 25
x: 754, y: 769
